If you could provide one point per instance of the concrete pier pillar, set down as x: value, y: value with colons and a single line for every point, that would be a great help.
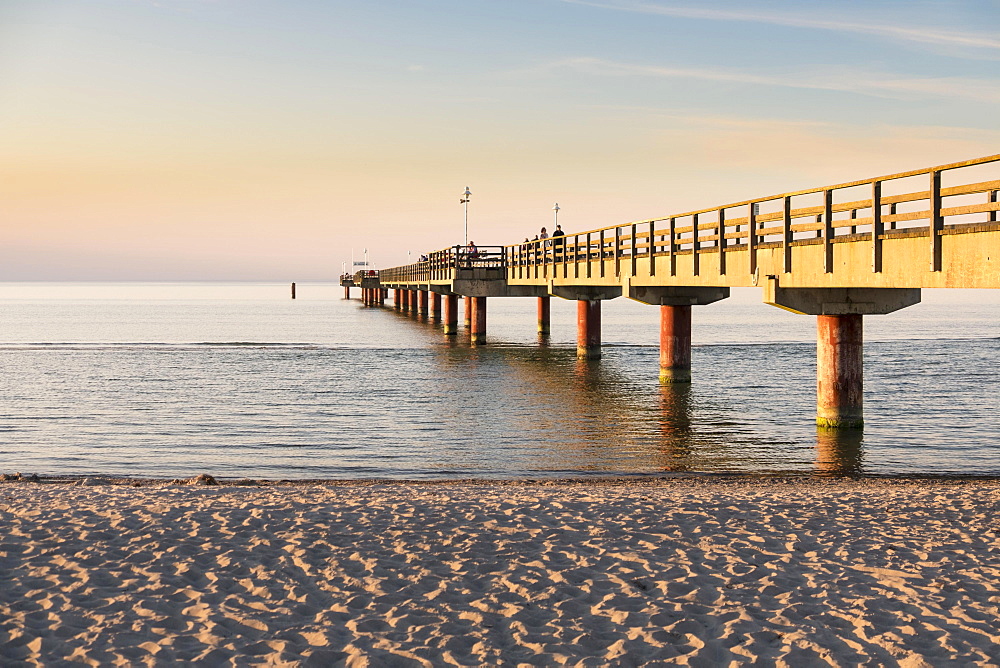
x: 347, y: 292
x: 381, y: 294
x: 675, y: 344
x: 435, y: 306
x: 544, y: 315
x: 839, y: 371
x: 588, y: 328
x: 468, y: 312
x: 414, y: 302
x: 395, y: 299
x: 478, y: 320
x: 451, y: 315
x: 422, y: 297
x: 839, y: 340
x: 364, y: 296
x: 404, y: 300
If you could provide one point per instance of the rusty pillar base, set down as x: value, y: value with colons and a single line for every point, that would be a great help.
x: 544, y: 315
x: 478, y: 320
x: 839, y: 371
x: 451, y: 315
x: 675, y: 344
x: 588, y: 329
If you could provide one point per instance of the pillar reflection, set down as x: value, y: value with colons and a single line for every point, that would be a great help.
x: 839, y: 451
x: 675, y: 426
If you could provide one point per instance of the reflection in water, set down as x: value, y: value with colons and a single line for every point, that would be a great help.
x: 839, y: 451
x: 565, y: 415
x: 675, y: 425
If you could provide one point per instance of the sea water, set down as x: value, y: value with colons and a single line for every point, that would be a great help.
x: 239, y: 380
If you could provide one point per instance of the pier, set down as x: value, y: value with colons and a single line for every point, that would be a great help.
x: 839, y: 253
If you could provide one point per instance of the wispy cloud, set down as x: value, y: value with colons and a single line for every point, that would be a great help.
x: 978, y: 90
x: 923, y: 35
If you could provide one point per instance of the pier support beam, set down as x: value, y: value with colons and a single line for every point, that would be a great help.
x: 839, y: 341
x: 544, y: 315
x: 422, y: 298
x: 468, y: 313
x: 478, y: 320
x: 588, y: 328
x: 396, y: 303
x: 435, y: 306
x: 675, y: 323
x: 414, y: 306
x: 451, y: 315
x: 675, y: 344
x: 347, y: 292
x: 588, y: 314
x: 839, y: 371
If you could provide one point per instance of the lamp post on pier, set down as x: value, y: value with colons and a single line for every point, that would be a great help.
x: 465, y: 200
x: 555, y: 208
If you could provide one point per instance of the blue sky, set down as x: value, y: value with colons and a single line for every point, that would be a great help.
x: 244, y: 139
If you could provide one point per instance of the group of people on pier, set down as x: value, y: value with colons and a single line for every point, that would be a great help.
x: 543, y: 240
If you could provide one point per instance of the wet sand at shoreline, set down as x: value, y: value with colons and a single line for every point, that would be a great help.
x: 797, y: 571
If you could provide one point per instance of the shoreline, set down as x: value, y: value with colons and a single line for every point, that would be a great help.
x: 805, y: 571
x: 707, y: 478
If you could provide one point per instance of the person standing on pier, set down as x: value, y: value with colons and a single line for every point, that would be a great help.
x: 558, y: 241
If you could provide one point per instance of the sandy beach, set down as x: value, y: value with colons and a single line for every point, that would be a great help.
x: 795, y: 572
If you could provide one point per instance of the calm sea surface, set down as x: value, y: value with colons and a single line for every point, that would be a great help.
x: 173, y: 380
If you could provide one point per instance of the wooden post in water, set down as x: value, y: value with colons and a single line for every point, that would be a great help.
x: 839, y: 371
x: 451, y: 314
x: 675, y: 344
x: 588, y: 328
x: 478, y: 320
x: 544, y: 316
x: 293, y: 291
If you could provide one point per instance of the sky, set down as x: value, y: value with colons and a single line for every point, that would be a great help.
x: 274, y: 140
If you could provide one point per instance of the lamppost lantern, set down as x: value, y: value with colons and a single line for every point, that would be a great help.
x: 465, y: 201
x: 555, y: 208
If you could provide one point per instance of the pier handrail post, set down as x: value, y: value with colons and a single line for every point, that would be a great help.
x: 652, y: 248
x: 752, y: 235
x: 721, y: 241
x: 786, y: 234
x: 601, y: 252
x: 828, y: 231
x: 618, y: 251
x: 877, y: 226
x: 695, y: 245
x: 670, y: 246
x: 590, y: 255
x: 936, y: 223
